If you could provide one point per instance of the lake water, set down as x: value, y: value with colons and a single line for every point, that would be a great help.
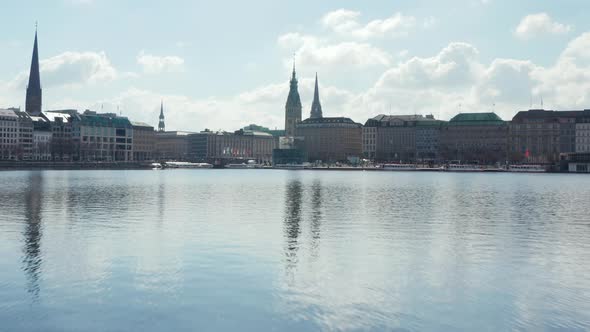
x: 262, y: 250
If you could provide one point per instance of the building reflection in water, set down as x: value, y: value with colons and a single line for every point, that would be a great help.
x: 316, y: 217
x: 32, y: 233
x: 292, y: 222
x: 161, y: 201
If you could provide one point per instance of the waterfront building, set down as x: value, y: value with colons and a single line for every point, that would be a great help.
x: 144, y: 141
x: 540, y: 136
x: 292, y: 107
x: 222, y: 146
x: 394, y: 137
x: 291, y: 151
x: 329, y: 139
x: 369, y: 142
x: 64, y: 128
x: 16, y: 135
x: 172, y: 145
x: 34, y: 94
x: 104, y: 137
x: 583, y: 132
x: 41, y: 138
x: 275, y: 132
x: 578, y: 162
x: 428, y: 139
x: 474, y: 137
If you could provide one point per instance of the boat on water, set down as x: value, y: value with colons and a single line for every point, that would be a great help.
x: 527, y: 168
x: 184, y: 164
x: 251, y: 164
x: 431, y: 169
x: 399, y: 167
x: 463, y: 168
x: 291, y: 166
x: 156, y: 166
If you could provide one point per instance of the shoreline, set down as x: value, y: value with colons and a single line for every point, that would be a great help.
x: 49, y: 165
x: 27, y: 166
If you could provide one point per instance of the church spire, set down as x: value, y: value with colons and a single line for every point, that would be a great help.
x: 293, y: 106
x: 161, y: 124
x: 33, y: 100
x: 316, y: 107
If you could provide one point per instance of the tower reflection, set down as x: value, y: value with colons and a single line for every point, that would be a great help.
x: 292, y: 221
x: 32, y: 233
x: 316, y: 217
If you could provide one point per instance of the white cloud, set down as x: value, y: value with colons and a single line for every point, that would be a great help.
x: 453, y: 80
x: 567, y: 83
x: 341, y: 20
x: 314, y: 52
x: 454, y: 66
x: 72, y: 69
x: 438, y: 84
x: 507, y: 81
x: 345, y: 22
x: 535, y: 25
x: 153, y: 64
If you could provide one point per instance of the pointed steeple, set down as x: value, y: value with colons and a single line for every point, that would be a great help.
x: 161, y: 124
x: 316, y: 107
x: 293, y: 77
x: 293, y: 106
x: 34, y: 95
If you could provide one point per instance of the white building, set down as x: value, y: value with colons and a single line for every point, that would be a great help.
x: 16, y: 135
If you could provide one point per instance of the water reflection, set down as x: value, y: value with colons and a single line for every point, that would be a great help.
x: 32, y: 233
x: 293, y: 202
x: 316, y: 217
x: 293, y: 251
x: 161, y: 201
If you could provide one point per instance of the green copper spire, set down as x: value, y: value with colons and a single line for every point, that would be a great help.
x: 161, y: 124
x: 293, y: 106
x: 316, y: 107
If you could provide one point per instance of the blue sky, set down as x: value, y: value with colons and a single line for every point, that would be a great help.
x: 225, y: 64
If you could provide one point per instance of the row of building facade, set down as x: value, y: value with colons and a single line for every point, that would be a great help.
x: 70, y: 135
x: 534, y: 136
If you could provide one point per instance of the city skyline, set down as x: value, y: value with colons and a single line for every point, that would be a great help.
x: 362, y: 75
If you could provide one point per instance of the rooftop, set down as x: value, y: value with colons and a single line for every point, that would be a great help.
x: 383, y: 120
x: 174, y: 133
x: 475, y: 119
x: 10, y: 112
x: 140, y: 124
x: 90, y: 118
x: 549, y: 115
x: 329, y: 122
x: 14, y: 113
x: 64, y: 115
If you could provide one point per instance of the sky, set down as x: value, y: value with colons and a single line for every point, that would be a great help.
x: 226, y: 64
